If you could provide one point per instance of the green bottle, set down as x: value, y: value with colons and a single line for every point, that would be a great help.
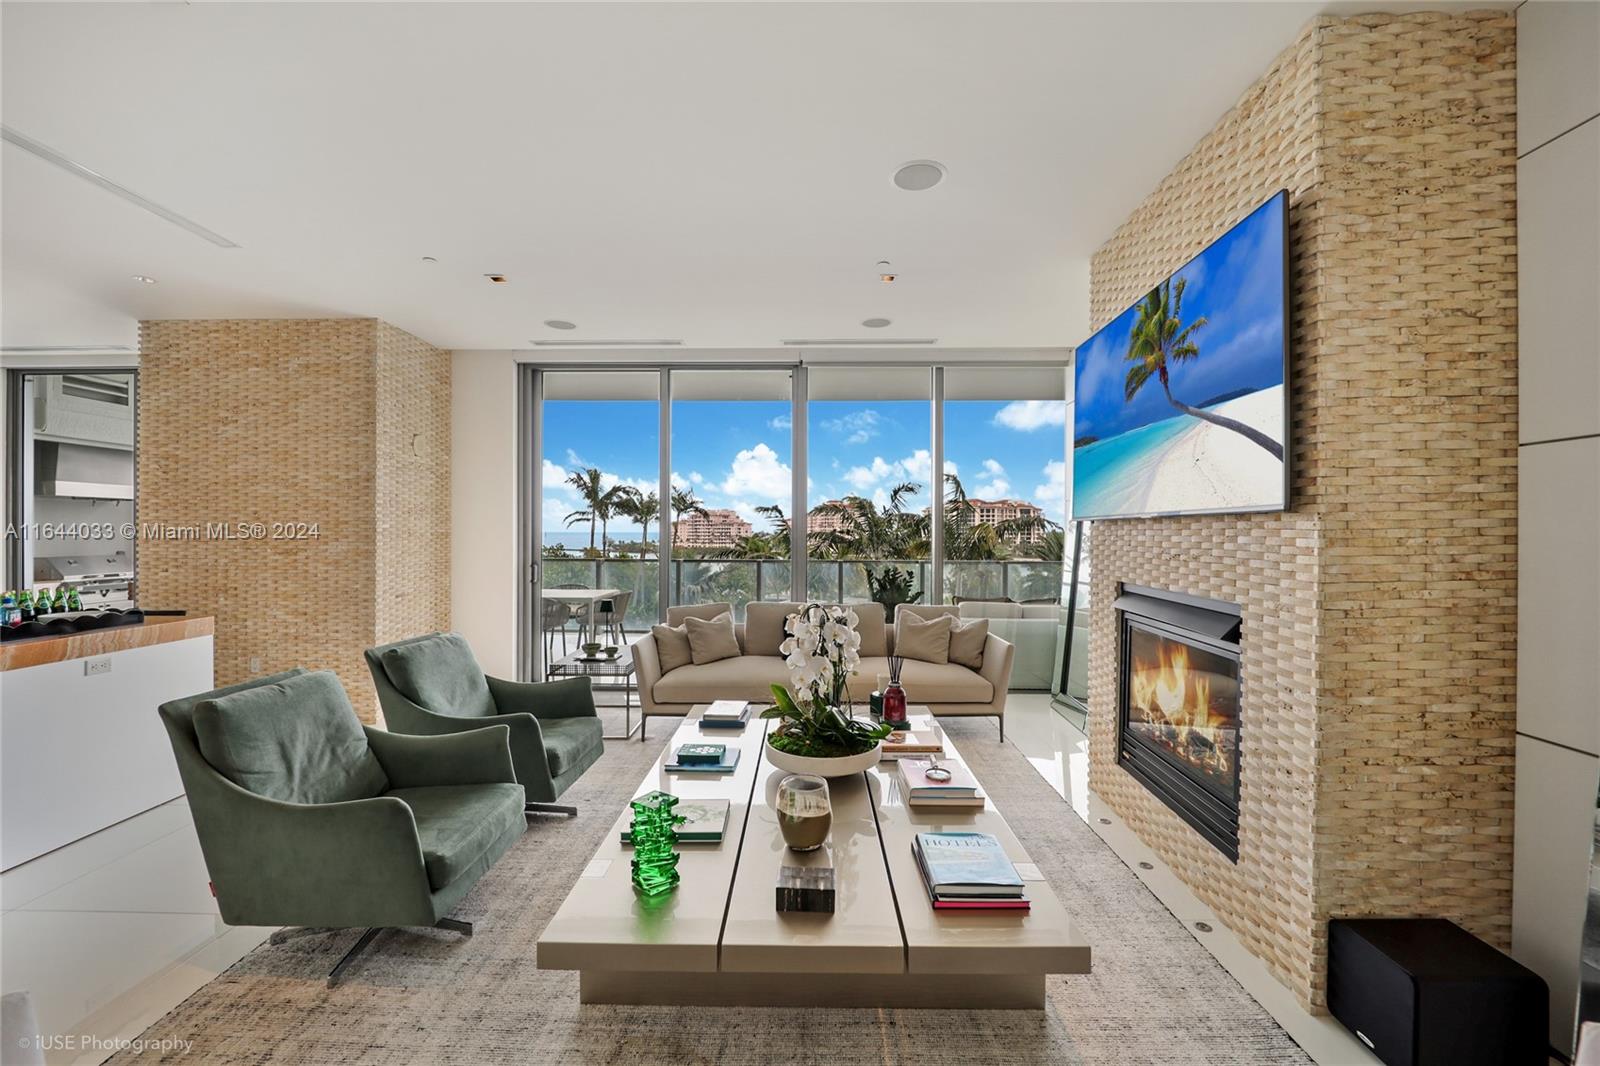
x: 60, y: 604
x: 25, y: 606
x: 74, y: 601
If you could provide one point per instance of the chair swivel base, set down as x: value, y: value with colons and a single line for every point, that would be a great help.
x: 454, y: 925
x: 549, y: 808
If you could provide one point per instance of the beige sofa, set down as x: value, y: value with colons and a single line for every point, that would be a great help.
x: 948, y: 689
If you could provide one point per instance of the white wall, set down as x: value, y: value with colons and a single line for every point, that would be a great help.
x: 1558, y: 610
x: 483, y: 506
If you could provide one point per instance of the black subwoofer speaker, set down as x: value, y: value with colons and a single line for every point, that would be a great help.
x: 1425, y: 992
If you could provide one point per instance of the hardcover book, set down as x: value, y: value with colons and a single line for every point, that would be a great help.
x: 899, y: 745
x: 725, y: 710
x: 705, y: 821
x: 702, y: 753
x: 966, y: 864
x: 914, y: 779
x: 730, y: 760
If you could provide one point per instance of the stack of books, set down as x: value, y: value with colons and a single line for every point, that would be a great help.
x: 909, y: 742
x: 960, y: 791
x: 703, y: 759
x: 725, y: 714
x: 967, y: 871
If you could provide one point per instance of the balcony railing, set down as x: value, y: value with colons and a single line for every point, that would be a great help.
x: 742, y: 581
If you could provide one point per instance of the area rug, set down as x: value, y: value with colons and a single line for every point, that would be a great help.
x: 1155, y: 996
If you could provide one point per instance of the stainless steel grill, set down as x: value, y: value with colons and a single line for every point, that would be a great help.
x: 101, y: 580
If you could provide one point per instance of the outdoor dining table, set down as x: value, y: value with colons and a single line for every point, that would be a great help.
x: 574, y: 597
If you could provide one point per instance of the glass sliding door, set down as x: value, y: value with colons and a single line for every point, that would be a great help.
x: 870, y: 484
x: 600, y: 509
x: 732, y: 477
x: 1005, y: 436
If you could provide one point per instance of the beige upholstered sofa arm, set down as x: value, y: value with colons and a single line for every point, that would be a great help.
x: 997, y: 656
x: 647, y: 671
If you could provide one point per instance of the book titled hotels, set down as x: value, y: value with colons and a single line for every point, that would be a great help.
x: 967, y: 871
x: 960, y: 792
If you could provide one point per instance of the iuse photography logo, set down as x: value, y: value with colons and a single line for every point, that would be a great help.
x: 88, y: 1042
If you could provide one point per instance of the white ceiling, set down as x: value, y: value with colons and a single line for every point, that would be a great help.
x: 715, y: 173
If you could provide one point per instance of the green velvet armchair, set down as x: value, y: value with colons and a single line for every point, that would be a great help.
x: 433, y: 685
x: 307, y: 818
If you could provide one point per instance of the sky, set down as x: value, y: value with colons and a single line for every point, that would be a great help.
x: 1237, y: 285
x: 736, y: 454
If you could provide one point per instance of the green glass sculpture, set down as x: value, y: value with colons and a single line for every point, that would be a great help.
x: 655, y: 863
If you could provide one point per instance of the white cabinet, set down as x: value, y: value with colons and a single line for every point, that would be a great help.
x: 85, y: 409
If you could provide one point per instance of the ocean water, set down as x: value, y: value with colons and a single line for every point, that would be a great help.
x: 1104, y: 474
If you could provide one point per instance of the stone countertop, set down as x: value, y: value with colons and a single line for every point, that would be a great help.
x: 37, y: 651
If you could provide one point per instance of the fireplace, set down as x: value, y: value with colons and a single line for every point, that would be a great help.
x: 1178, y: 706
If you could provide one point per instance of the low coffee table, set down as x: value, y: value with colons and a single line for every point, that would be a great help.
x: 718, y: 940
x: 621, y: 665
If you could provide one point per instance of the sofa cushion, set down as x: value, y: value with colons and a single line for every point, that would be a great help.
x: 676, y: 614
x: 765, y: 626
x: 924, y: 639
x: 748, y: 677
x: 967, y: 639
x: 872, y: 624
x: 440, y: 674
x: 672, y: 647
x: 711, y: 640
x: 297, y: 740
x: 569, y: 742
x: 925, y: 683
x: 457, y: 824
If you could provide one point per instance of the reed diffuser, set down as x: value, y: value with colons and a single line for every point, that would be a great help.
x: 894, y: 697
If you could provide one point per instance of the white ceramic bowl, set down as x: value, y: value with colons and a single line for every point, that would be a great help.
x: 843, y: 766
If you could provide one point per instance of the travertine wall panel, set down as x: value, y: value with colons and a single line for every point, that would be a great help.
x: 1379, y: 613
x: 274, y: 422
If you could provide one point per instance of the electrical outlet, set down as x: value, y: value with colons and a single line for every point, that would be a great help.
x: 255, y: 664
x: 91, y: 667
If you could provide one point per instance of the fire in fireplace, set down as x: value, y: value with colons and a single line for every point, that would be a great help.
x: 1178, y: 721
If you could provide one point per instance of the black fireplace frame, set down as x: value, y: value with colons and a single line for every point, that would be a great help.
x: 1209, y: 625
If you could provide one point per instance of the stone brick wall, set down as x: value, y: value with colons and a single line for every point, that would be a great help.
x: 296, y: 421
x: 1379, y: 612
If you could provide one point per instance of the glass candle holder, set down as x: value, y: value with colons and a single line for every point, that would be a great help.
x: 805, y: 811
x: 894, y: 704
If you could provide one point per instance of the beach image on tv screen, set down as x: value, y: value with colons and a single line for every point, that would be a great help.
x: 1180, y: 399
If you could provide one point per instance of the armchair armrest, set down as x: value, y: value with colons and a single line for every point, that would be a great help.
x: 570, y: 697
x: 647, y: 670
x: 997, y: 657
x: 479, y: 756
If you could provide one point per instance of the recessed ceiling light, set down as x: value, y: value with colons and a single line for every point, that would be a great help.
x: 147, y: 279
x: 498, y: 279
x: 886, y: 272
x: 875, y: 323
x: 429, y: 259
x: 560, y: 323
x: 919, y: 174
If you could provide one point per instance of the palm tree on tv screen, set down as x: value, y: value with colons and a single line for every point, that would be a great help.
x: 1159, y: 340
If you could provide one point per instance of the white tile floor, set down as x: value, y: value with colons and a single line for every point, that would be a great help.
x: 111, y: 932
x: 1060, y: 752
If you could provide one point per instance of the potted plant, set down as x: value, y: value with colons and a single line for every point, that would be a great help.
x: 891, y: 587
x: 816, y: 733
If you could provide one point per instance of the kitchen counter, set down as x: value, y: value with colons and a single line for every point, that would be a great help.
x: 81, y: 744
x: 36, y: 651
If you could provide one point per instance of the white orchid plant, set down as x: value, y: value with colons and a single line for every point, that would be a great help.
x: 822, y: 650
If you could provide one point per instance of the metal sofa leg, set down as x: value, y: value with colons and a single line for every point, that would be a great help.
x: 355, y: 949
x: 455, y: 925
x: 550, y: 808
x: 1001, y: 720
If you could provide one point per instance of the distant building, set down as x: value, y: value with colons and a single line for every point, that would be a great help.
x: 994, y: 512
x: 717, y: 528
x: 820, y: 521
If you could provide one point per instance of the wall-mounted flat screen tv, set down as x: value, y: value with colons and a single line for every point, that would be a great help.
x: 1182, y: 400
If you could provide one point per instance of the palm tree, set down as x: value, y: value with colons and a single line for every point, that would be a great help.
x: 643, y: 508
x: 601, y: 501
x: 1159, y: 340
x: 754, y: 546
x: 867, y: 531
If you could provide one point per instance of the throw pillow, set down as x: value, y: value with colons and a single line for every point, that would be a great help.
x: 672, y: 647
x: 870, y: 623
x: 712, y: 640
x: 926, y: 640
x: 297, y: 740
x: 765, y: 626
x: 967, y: 638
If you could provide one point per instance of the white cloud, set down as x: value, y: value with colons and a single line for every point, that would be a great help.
x: 993, y: 468
x: 678, y: 481
x: 916, y: 467
x: 780, y: 422
x: 574, y: 459
x: 1029, y: 415
x: 991, y: 489
x: 555, y: 477
x: 697, y: 478
x: 1052, y: 494
x: 858, y: 426
x: 758, y: 472
x: 865, y: 477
